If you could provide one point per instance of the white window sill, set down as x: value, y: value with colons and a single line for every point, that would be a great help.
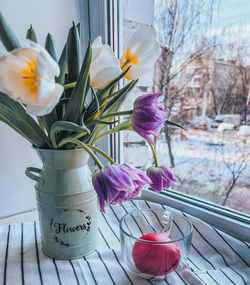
x: 28, y: 216
x: 234, y: 223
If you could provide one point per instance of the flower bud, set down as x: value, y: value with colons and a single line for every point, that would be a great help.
x: 148, y: 116
x: 161, y: 178
x: 118, y: 183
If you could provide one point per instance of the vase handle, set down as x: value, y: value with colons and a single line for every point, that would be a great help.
x: 29, y: 173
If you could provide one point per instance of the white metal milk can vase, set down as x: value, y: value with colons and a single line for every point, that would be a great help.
x: 67, y: 203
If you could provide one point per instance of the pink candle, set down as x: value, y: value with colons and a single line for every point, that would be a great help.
x: 156, y: 259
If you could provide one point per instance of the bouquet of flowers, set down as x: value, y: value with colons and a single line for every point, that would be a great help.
x: 63, y: 104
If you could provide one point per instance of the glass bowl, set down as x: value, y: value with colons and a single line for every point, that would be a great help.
x: 155, y: 242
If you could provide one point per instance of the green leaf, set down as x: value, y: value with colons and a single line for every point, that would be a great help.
x: 121, y: 127
x: 18, y: 109
x: 13, y: 114
x: 76, y: 102
x: 113, y: 106
x: 63, y: 101
x: 104, y: 93
x: 126, y: 125
x: 63, y: 64
x: 79, y: 29
x: 14, y: 128
x: 168, y: 122
x: 31, y: 35
x: 50, y: 47
x: 65, y: 126
x: 73, y: 53
x: 95, y: 99
x: 101, y: 93
x: 12, y: 104
x: 115, y: 114
x: 49, y: 119
x: 7, y: 36
x: 115, y: 103
x: 52, y: 117
x: 100, y: 122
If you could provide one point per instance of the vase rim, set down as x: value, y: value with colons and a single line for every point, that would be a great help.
x: 63, y: 158
x: 57, y: 150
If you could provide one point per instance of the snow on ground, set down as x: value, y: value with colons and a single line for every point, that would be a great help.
x: 207, y: 161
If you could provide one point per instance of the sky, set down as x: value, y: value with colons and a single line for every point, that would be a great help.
x: 232, y: 12
x: 234, y: 17
x: 230, y: 23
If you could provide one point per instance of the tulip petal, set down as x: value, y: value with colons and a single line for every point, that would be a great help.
x: 11, y: 79
x: 28, y: 44
x: 140, y: 53
x: 148, y: 116
x: 148, y: 100
x: 136, y: 72
x: 148, y: 39
x: 45, y: 88
x: 96, y: 48
x: 140, y: 39
x: 46, y: 65
x: 105, y: 66
x: 25, y: 54
x: 47, y: 106
x: 27, y: 75
x: 105, y: 59
x: 161, y: 177
x: 124, y: 181
x: 105, y: 76
x: 100, y: 190
x: 151, y: 55
x: 118, y: 183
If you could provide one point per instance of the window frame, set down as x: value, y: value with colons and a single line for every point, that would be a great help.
x: 235, y: 223
x: 103, y: 17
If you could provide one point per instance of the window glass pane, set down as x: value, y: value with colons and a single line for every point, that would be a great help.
x: 204, y: 74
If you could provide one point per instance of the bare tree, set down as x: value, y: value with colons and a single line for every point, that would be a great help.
x: 179, y: 23
x: 229, y: 80
x: 239, y: 98
x: 236, y: 164
x: 224, y: 82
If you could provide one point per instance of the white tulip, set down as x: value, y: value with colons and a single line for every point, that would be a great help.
x: 140, y: 53
x: 104, y: 67
x: 27, y: 75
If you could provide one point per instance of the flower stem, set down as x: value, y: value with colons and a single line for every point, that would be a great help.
x: 124, y: 126
x: 78, y: 136
x: 122, y: 113
x: 69, y: 85
x: 54, y: 143
x: 102, y: 153
x: 154, y: 154
x: 125, y: 63
x: 84, y: 146
x: 41, y: 124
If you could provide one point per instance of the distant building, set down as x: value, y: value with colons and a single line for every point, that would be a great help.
x: 208, y: 87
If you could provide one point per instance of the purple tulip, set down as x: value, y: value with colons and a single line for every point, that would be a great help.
x: 161, y: 178
x: 118, y: 183
x: 148, y: 116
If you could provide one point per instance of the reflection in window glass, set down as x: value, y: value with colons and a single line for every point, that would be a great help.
x: 204, y: 73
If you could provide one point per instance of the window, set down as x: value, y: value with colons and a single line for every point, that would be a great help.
x: 207, y: 93
x: 209, y: 96
x: 101, y: 18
